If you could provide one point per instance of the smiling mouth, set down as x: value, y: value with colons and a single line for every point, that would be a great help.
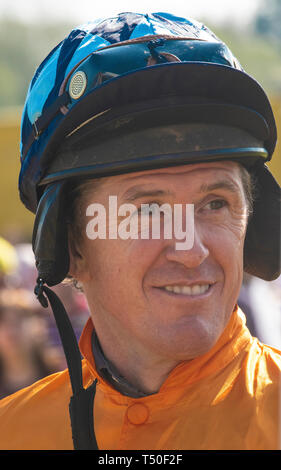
x: 196, y: 289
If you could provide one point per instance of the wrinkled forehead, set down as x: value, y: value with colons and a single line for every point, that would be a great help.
x: 192, y: 170
x: 173, y: 176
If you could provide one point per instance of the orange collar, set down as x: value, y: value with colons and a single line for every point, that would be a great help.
x: 233, y: 340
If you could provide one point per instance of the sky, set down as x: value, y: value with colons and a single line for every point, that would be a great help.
x: 76, y: 12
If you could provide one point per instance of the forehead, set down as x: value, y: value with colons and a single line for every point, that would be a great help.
x: 195, y: 174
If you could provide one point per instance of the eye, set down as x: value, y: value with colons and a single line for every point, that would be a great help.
x: 150, y: 208
x: 216, y: 204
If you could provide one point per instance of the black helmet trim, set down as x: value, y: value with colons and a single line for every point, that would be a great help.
x: 49, y: 241
x: 246, y: 156
x: 170, y: 134
x: 262, y: 257
x: 197, y: 81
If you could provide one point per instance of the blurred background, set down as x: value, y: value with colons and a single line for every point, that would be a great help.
x: 29, y: 29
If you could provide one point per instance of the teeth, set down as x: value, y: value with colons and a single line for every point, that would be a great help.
x: 188, y: 290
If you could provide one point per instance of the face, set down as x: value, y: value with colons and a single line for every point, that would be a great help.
x: 145, y: 294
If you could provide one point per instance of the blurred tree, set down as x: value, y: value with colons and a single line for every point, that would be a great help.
x: 268, y: 20
x: 22, y: 48
x: 258, y: 56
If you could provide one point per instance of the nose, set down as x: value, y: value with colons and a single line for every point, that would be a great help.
x: 192, y: 256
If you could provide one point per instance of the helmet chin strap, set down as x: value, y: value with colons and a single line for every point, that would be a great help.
x: 82, y: 401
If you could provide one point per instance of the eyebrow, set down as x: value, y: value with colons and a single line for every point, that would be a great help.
x: 138, y: 192
x: 224, y: 184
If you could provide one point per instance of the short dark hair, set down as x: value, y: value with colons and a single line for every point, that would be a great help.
x: 250, y: 188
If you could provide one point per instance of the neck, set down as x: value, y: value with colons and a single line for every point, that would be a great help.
x: 143, y: 370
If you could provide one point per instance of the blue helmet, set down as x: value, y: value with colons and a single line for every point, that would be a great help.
x: 112, y: 80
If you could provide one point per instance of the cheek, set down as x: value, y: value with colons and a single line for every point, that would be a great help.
x: 229, y: 231
x: 118, y: 273
x: 116, y: 262
x: 102, y: 261
x: 226, y: 244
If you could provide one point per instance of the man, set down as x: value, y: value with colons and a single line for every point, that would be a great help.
x: 129, y: 113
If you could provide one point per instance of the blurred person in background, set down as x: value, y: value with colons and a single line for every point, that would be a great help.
x: 24, y: 273
x: 261, y: 303
x: 25, y: 353
x: 19, y: 277
x: 8, y: 260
